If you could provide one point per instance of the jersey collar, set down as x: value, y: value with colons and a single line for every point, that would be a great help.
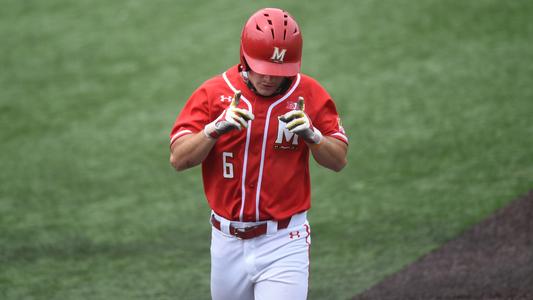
x: 239, y: 83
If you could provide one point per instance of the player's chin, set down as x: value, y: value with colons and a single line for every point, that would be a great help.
x: 266, y: 91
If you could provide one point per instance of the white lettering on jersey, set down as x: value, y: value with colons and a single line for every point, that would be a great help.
x: 292, y: 105
x: 278, y: 56
x: 228, y: 167
x: 283, y: 132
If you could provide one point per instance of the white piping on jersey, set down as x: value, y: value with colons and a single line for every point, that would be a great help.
x: 265, y: 134
x: 179, y: 134
x: 247, y: 145
x: 342, y: 136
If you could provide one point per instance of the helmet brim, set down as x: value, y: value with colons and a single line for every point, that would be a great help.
x: 272, y: 68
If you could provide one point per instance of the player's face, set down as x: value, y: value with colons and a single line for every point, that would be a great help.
x: 265, y: 85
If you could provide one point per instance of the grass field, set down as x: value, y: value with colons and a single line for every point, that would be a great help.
x: 435, y: 95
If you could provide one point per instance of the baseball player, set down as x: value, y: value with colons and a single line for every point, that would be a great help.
x: 252, y: 128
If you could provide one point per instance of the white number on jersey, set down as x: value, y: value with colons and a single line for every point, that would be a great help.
x: 228, y: 167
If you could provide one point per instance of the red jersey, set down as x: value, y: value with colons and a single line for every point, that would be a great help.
x: 261, y: 172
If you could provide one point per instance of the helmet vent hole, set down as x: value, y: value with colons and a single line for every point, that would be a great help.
x: 258, y: 28
x: 269, y: 22
x: 272, y: 30
x: 266, y: 15
x: 295, y: 31
x: 285, y: 23
x: 284, y: 33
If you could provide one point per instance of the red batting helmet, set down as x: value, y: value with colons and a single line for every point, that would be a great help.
x: 271, y: 43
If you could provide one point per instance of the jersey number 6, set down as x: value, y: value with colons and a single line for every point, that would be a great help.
x: 227, y: 166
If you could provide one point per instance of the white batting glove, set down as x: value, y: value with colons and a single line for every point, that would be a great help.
x: 298, y: 122
x: 231, y: 118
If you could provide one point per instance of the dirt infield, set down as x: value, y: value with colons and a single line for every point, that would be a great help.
x: 492, y: 260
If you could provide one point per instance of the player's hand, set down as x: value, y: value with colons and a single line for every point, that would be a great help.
x: 231, y: 118
x: 298, y: 122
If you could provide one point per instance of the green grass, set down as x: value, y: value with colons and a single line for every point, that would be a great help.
x: 435, y: 95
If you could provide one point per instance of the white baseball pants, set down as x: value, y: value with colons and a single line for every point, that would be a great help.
x: 271, y: 266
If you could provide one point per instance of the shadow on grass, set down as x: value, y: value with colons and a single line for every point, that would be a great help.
x: 492, y: 260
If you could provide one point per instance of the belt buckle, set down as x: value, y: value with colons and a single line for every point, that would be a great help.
x: 239, y: 231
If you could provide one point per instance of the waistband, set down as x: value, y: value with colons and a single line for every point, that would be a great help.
x: 236, y: 228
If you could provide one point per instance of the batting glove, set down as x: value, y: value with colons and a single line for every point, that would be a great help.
x: 231, y: 118
x: 298, y: 122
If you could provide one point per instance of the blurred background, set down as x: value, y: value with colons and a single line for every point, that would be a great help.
x: 435, y: 95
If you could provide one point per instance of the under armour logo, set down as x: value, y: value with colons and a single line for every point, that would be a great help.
x: 294, y: 234
x: 278, y: 56
x: 225, y: 98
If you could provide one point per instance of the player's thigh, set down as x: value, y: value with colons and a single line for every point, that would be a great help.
x: 295, y: 288
x: 229, y: 279
x: 286, y: 274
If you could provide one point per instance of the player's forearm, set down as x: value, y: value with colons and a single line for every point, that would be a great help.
x: 330, y: 153
x: 190, y: 150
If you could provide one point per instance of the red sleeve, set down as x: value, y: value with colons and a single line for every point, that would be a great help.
x: 193, y: 117
x: 327, y: 119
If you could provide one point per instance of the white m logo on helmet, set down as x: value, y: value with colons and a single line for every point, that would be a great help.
x: 278, y: 56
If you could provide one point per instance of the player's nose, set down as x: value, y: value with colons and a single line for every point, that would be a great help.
x: 270, y: 80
